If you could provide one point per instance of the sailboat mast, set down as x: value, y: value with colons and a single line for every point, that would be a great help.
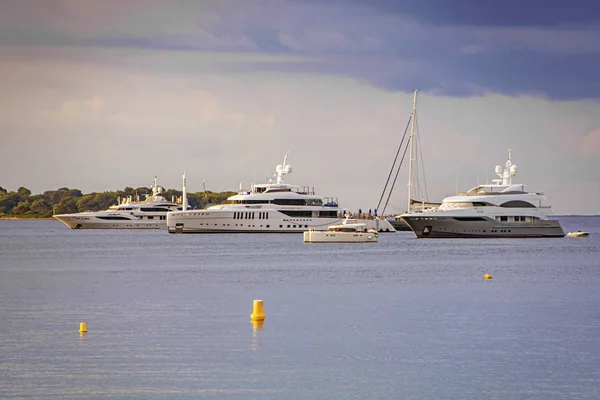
x: 411, y: 159
x: 184, y: 201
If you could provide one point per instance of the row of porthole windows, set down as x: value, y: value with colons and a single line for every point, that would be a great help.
x: 475, y: 230
x: 502, y: 218
x: 250, y: 215
x: 266, y: 226
x: 463, y: 231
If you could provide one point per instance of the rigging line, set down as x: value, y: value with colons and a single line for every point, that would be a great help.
x: 394, y: 164
x: 395, y: 178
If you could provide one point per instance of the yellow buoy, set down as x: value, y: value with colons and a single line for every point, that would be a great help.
x: 257, y: 311
x: 82, y: 327
x: 487, y: 276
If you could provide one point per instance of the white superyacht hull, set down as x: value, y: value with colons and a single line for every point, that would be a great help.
x: 75, y: 221
x: 254, y: 221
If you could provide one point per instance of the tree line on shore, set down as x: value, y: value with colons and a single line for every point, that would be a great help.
x: 23, y: 204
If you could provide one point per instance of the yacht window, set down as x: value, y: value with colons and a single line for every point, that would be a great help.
x: 290, y: 202
x: 469, y: 218
x: 517, y: 204
x: 327, y: 214
x: 314, y: 202
x: 248, y: 202
x: 297, y: 213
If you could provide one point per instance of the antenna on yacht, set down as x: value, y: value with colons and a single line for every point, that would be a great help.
x: 510, y: 170
x: 206, y: 197
x: 283, y: 169
x: 154, y: 186
x: 457, y: 183
x: 411, y: 159
x: 184, y: 200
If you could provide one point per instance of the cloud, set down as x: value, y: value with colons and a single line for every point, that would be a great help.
x: 356, y: 40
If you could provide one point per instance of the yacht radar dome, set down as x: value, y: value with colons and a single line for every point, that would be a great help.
x: 282, y: 169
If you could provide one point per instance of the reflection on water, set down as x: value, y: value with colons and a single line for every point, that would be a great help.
x: 257, y: 329
x: 167, y: 316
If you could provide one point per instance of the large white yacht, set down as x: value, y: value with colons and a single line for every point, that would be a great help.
x: 271, y: 207
x: 501, y: 209
x: 151, y: 213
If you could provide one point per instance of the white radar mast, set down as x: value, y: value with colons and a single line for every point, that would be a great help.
x: 510, y: 170
x: 282, y: 169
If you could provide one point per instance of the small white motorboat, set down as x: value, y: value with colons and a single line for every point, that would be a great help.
x: 349, y: 231
x: 578, y: 234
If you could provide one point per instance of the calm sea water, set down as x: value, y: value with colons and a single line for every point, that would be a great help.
x: 168, y: 316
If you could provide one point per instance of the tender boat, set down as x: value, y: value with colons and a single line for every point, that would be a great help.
x: 501, y: 209
x: 578, y: 234
x: 349, y: 231
x: 271, y: 207
x: 151, y: 213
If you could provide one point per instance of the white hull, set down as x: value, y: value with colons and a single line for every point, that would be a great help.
x: 339, y: 237
x: 255, y: 220
x: 77, y: 221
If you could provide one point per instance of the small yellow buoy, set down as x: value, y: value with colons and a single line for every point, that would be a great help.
x: 257, y: 311
x: 487, y: 276
x: 82, y: 327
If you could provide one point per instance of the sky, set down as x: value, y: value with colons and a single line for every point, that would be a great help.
x: 103, y: 95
